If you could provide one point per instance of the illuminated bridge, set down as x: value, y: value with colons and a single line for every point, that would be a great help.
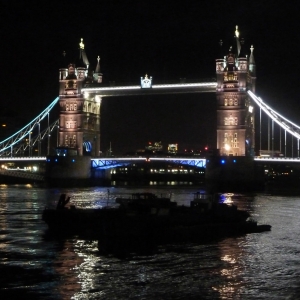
x: 78, y: 126
x: 13, y: 149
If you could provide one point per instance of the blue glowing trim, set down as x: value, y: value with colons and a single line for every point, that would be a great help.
x: 105, y: 163
x: 19, y: 135
x: 88, y: 146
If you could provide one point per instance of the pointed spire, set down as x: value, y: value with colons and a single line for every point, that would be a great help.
x: 237, y: 33
x: 63, y: 60
x: 83, y: 60
x: 97, y: 74
x: 98, y: 65
x: 221, y: 49
x: 81, y: 44
x: 242, y: 51
x: 238, y: 45
x: 251, y: 60
x: 252, y: 66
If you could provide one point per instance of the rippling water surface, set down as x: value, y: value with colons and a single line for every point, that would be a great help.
x: 255, y: 266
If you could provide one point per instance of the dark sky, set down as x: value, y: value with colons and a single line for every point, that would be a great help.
x: 167, y: 40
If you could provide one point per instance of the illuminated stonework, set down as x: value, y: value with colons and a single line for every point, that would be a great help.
x: 79, y: 119
x: 235, y: 111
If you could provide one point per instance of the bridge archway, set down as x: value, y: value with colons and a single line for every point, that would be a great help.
x: 87, y: 147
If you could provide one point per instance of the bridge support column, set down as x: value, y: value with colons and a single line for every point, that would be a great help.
x: 68, y: 170
x: 101, y: 176
x: 232, y: 174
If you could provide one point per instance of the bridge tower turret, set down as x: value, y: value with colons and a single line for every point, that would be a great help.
x: 235, y: 111
x: 79, y: 119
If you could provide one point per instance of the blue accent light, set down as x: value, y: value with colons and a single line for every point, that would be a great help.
x: 26, y: 130
x: 73, y: 160
x: 87, y: 146
x: 55, y: 159
x: 234, y: 161
x: 223, y: 161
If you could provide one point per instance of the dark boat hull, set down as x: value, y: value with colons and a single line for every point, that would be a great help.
x: 149, y: 221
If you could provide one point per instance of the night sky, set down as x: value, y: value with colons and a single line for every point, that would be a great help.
x: 167, y: 40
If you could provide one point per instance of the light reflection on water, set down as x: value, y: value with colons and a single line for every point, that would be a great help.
x: 255, y: 266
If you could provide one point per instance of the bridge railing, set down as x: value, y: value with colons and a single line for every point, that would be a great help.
x: 7, y: 144
x: 180, y: 80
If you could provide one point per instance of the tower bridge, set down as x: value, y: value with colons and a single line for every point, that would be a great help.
x: 81, y: 91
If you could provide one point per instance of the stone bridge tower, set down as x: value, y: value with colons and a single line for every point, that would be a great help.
x: 235, y: 111
x: 79, y: 119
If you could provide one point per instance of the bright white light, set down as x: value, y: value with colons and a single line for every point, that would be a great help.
x: 22, y: 158
x: 250, y: 109
x: 274, y: 116
x: 277, y: 159
x: 98, y: 99
x: 227, y: 147
x: 184, y: 85
x: 157, y: 86
x: 113, y: 88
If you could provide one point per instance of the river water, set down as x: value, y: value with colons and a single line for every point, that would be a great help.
x: 255, y: 266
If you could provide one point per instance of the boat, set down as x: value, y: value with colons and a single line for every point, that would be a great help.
x: 88, y: 223
x: 144, y: 217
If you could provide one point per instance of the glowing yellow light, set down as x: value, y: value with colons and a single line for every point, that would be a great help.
x: 227, y: 147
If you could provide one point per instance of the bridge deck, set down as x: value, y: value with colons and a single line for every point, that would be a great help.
x: 157, y: 89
